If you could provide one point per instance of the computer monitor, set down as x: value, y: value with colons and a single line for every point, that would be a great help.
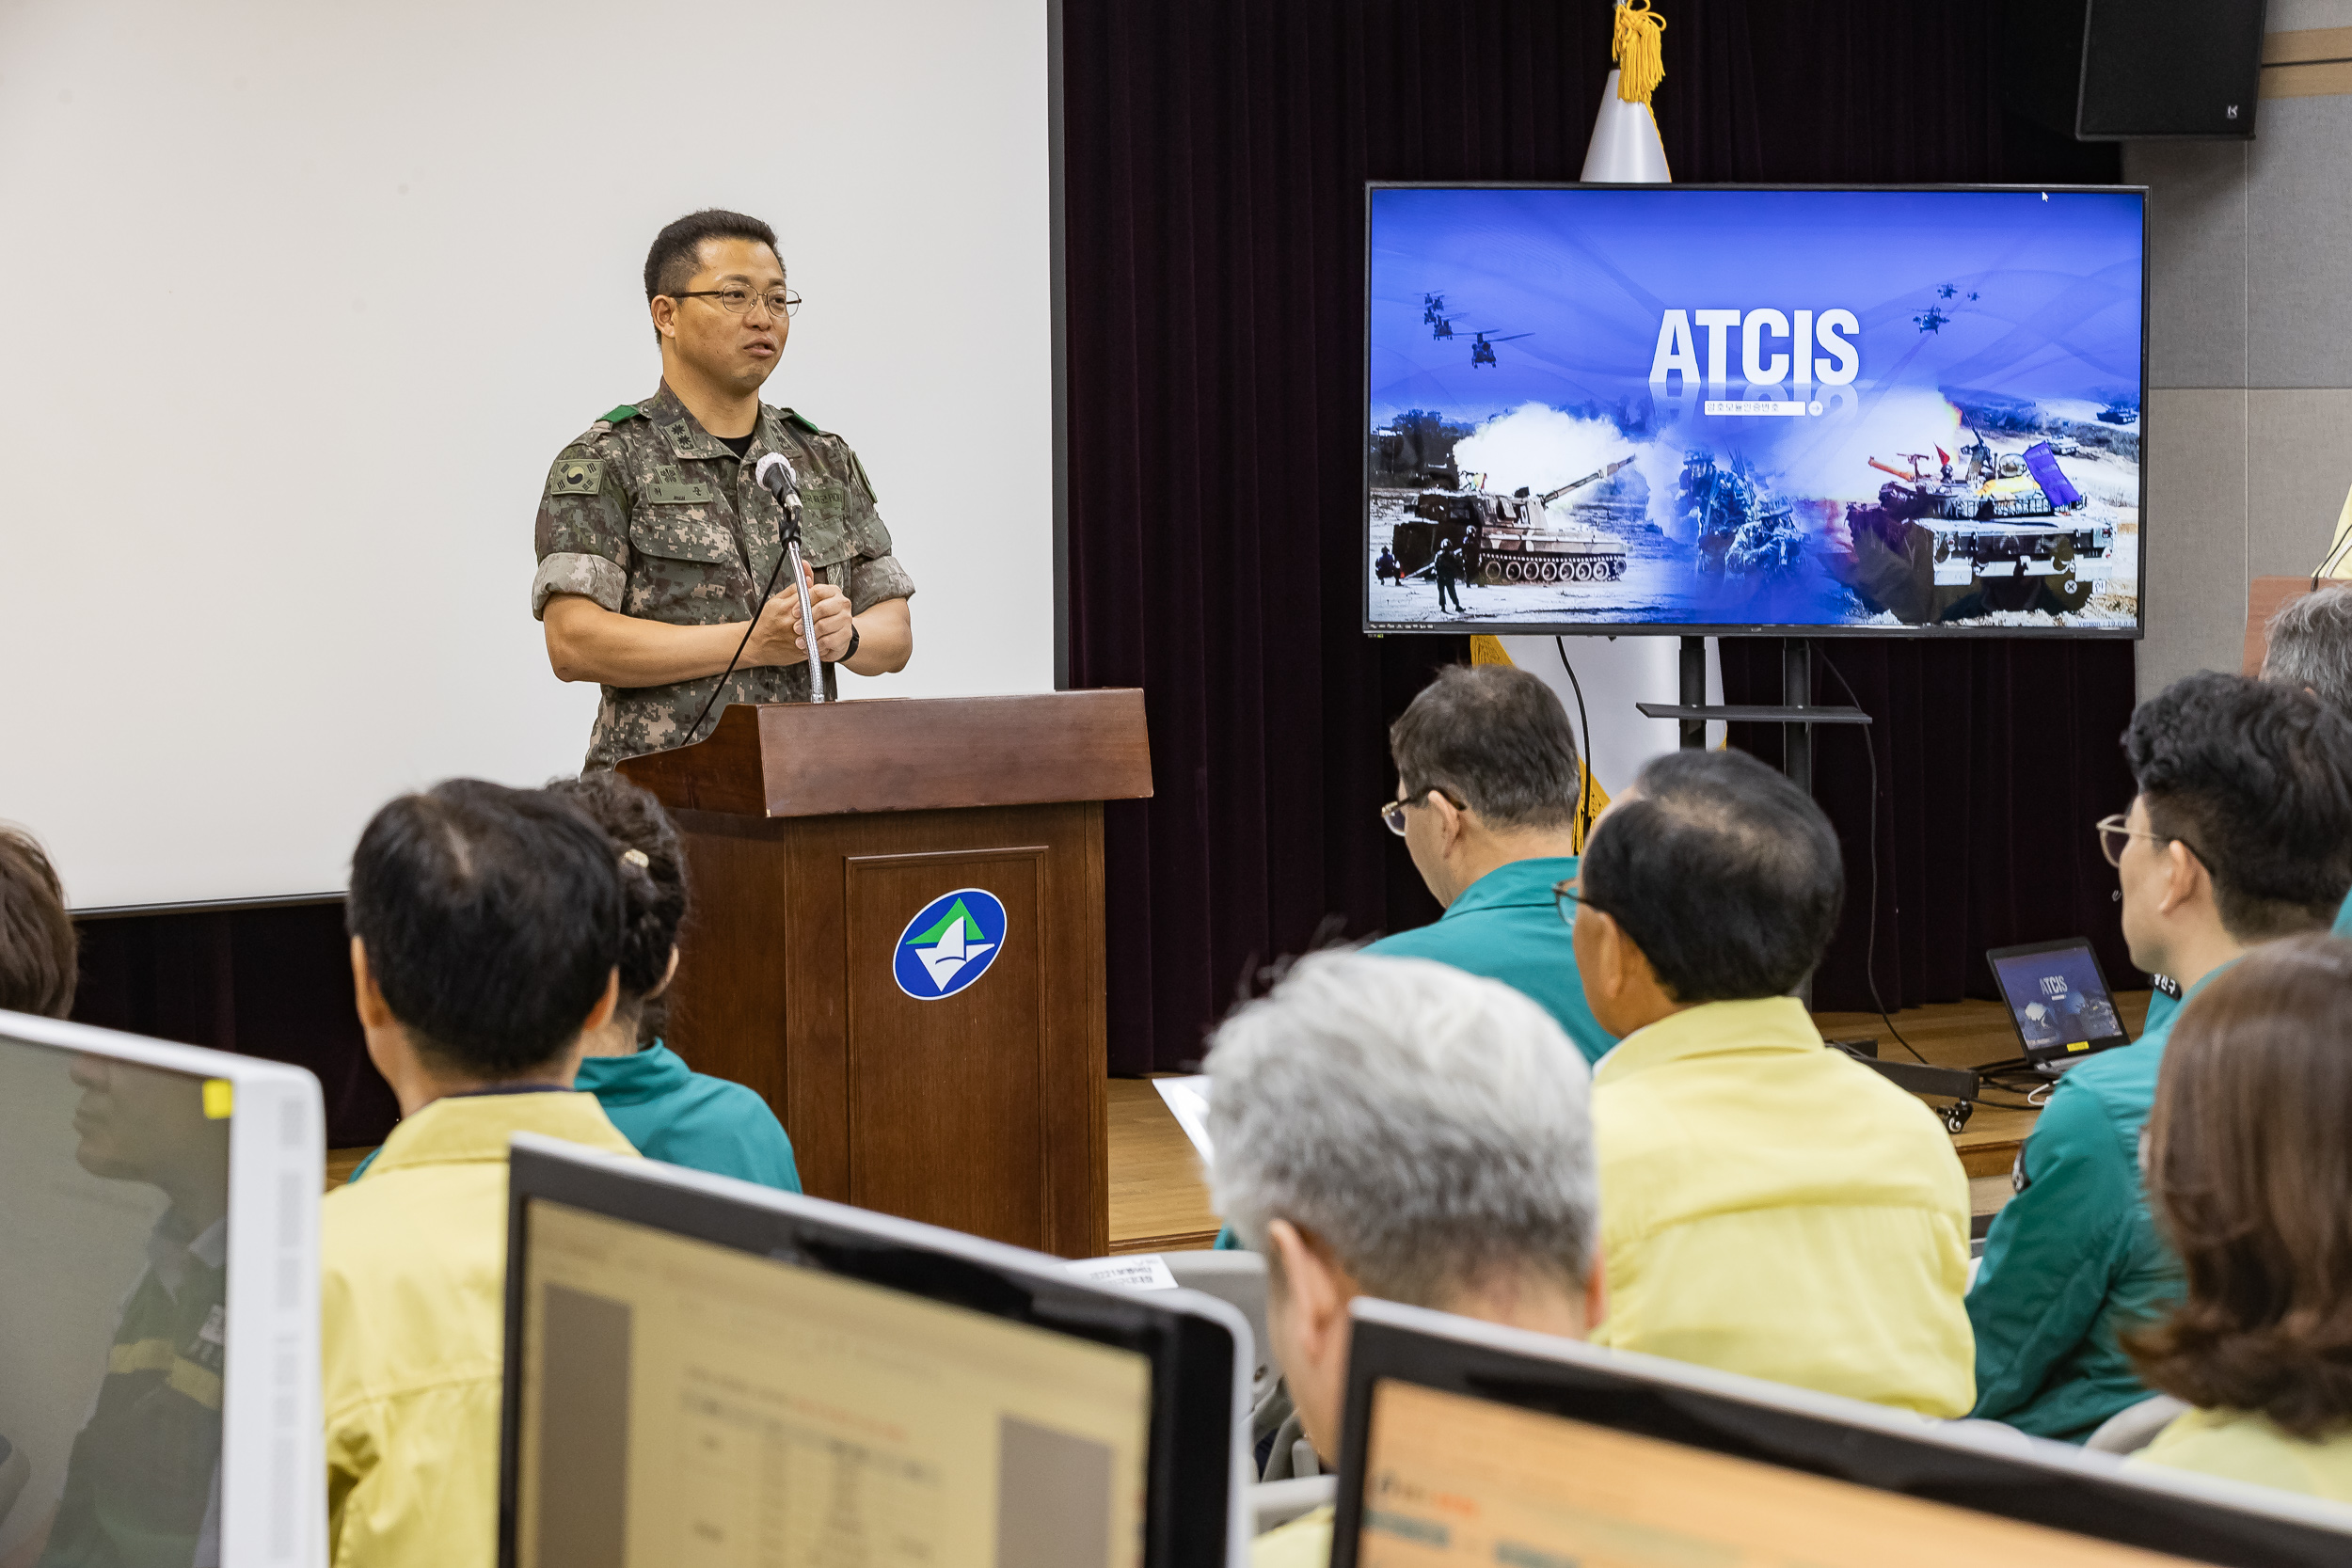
x: 1466, y: 1443
x: 159, y: 1303
x: 704, y: 1371
x: 2059, y: 1000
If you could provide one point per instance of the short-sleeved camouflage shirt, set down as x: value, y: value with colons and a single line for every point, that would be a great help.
x: 649, y: 515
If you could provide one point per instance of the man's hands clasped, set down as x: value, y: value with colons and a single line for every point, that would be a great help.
x: 776, y: 640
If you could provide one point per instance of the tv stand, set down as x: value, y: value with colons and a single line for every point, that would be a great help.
x: 1796, y: 712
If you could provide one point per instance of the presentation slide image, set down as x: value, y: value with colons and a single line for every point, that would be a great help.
x: 2058, y: 1000
x: 693, y: 1406
x: 1831, y: 408
x: 1454, y: 1480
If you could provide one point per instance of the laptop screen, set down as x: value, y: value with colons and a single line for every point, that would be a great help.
x: 1466, y: 1442
x: 1453, y: 1479
x: 2058, y: 999
x: 683, y: 1397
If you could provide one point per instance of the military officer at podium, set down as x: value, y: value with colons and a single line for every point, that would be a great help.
x: 656, y: 542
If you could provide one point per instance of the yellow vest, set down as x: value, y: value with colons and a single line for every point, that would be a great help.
x: 1773, y: 1207
x: 2239, y: 1445
x: 1304, y: 1542
x: 412, y: 1324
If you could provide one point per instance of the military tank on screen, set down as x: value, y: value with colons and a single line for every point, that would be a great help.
x: 2008, y: 528
x: 1510, y: 539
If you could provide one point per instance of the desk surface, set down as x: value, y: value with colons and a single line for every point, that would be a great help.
x: 1159, y: 1202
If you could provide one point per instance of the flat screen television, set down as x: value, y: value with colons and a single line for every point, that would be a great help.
x: 1735, y: 409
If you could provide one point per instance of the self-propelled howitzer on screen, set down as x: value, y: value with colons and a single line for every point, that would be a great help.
x: 1508, y: 539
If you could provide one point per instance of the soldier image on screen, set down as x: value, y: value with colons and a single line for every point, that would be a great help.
x: 656, y: 542
x: 142, y: 1484
x: 1448, y: 567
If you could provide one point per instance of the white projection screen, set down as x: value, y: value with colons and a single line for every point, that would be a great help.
x: 308, y: 296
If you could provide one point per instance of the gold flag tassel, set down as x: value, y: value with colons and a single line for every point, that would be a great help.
x: 1638, y: 47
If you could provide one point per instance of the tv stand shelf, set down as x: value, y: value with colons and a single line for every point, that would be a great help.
x: 1754, y: 713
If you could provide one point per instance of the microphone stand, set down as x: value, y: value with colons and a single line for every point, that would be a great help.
x: 808, y: 611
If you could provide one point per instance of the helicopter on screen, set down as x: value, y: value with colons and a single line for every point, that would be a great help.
x: 1483, y: 351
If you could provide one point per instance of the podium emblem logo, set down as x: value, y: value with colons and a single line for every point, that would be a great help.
x: 949, y: 943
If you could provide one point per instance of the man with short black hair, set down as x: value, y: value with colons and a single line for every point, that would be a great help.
x: 1768, y: 1206
x: 485, y: 938
x: 657, y: 542
x: 1487, y: 779
x: 2310, y: 645
x: 2240, y: 833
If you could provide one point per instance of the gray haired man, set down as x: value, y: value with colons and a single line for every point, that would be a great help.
x: 1396, y: 1128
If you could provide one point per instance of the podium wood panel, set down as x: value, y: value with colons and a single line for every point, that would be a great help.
x: 913, y: 1107
x: 909, y: 753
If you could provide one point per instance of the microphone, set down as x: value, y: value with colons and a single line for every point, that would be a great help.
x: 775, y: 475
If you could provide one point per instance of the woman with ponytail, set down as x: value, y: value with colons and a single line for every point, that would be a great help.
x: 668, y: 1110
x: 2249, y: 1173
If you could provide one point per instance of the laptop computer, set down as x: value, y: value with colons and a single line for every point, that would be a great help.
x: 2058, y: 1001
x: 701, y: 1371
x: 1467, y: 1443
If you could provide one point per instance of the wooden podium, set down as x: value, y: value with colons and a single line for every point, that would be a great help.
x: 815, y: 834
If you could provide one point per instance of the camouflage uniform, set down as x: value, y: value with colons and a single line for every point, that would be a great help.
x: 650, y: 516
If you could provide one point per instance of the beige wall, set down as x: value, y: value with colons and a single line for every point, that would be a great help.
x: 2249, y: 403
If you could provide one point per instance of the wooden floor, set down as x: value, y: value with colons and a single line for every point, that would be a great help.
x: 1159, y: 1202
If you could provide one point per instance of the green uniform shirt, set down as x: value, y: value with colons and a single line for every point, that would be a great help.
x: 671, y: 1113
x: 675, y: 1114
x: 2076, y: 1255
x: 1506, y: 926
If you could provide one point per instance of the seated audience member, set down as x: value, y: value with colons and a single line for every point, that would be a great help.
x: 486, y: 934
x: 1486, y: 801
x: 2241, y: 832
x: 1395, y: 1128
x: 2251, y: 1179
x: 2310, y: 647
x: 668, y: 1111
x: 39, y: 948
x: 1768, y: 1206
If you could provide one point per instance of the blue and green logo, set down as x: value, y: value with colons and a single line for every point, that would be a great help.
x: 949, y: 943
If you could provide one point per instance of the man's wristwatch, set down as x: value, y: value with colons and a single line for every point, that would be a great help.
x: 850, y: 652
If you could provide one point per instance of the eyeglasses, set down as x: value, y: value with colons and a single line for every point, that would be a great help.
x: 735, y: 302
x: 1392, y: 812
x: 1567, y: 897
x: 2116, y: 835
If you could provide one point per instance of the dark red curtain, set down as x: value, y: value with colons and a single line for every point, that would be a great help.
x: 272, y: 982
x: 1214, y: 156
